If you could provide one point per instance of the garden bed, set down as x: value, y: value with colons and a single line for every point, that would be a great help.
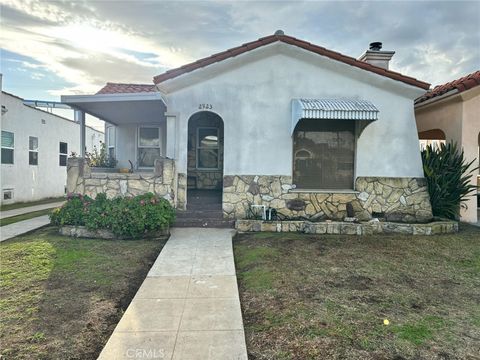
x: 141, y: 216
x: 327, y: 297
x: 84, y: 232
x: 348, y: 228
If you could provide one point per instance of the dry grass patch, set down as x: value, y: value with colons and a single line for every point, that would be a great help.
x: 60, y: 297
x: 326, y: 297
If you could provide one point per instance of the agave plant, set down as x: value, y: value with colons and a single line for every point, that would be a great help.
x: 448, y: 177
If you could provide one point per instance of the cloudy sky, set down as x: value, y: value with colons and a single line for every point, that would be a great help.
x: 50, y: 48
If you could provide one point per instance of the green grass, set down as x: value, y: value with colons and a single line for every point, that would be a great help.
x: 311, y: 297
x: 31, y: 215
x: 31, y: 203
x: 61, y: 297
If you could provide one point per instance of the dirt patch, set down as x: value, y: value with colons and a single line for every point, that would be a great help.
x: 328, y: 297
x: 61, y: 298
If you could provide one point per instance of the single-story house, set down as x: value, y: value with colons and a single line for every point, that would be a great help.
x: 278, y: 122
x: 451, y: 112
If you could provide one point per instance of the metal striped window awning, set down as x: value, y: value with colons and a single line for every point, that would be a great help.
x: 332, y: 109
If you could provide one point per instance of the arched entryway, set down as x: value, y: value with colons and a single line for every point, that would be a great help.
x: 205, y: 159
x: 433, y: 137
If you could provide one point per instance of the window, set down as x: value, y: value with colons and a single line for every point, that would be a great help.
x: 111, y: 142
x: 323, y: 154
x: 148, y: 146
x: 33, y: 150
x: 63, y: 154
x: 207, y: 148
x: 8, y: 145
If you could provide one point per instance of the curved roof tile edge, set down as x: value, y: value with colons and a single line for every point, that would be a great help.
x: 170, y: 74
x: 461, y: 84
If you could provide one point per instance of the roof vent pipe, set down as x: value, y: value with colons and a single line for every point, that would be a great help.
x: 279, y: 32
x: 376, y: 46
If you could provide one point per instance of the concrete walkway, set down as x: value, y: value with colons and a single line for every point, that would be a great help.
x: 188, y: 307
x: 22, y: 227
x: 29, y: 209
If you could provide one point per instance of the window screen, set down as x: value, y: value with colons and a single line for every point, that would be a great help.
x: 63, y: 154
x: 148, y: 146
x: 111, y: 142
x: 8, y: 144
x: 323, y: 154
x: 32, y: 150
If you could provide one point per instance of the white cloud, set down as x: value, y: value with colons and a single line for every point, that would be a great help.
x: 90, y: 42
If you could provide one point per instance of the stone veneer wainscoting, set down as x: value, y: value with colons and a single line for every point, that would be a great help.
x: 395, y: 199
x: 162, y: 181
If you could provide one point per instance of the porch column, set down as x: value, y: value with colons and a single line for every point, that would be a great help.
x: 80, y: 119
x: 171, y: 137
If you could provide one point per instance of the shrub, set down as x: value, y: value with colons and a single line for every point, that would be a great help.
x: 100, y: 158
x: 124, y: 216
x: 72, y: 212
x: 448, y: 177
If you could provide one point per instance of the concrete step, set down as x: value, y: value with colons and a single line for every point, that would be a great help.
x: 206, y: 206
x: 205, y: 223
x: 200, y: 214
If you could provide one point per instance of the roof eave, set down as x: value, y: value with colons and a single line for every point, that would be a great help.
x: 205, y: 62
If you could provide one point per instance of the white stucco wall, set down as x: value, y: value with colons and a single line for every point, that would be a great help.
x: 458, y: 116
x: 253, y: 93
x: 126, y: 140
x: 48, y: 178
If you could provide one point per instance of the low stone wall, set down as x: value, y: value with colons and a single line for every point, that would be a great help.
x: 83, y: 232
x: 344, y: 228
x: 395, y: 199
x: 162, y: 181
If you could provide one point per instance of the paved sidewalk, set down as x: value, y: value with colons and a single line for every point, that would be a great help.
x: 21, y: 227
x: 29, y: 209
x: 188, y: 307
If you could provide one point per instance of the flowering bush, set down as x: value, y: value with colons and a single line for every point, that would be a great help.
x: 124, y: 216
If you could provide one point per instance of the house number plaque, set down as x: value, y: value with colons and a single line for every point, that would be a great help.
x: 205, y: 106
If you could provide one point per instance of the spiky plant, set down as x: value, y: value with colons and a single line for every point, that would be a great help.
x: 448, y: 177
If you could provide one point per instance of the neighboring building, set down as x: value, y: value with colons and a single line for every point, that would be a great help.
x: 452, y: 112
x: 35, y: 146
x: 278, y: 122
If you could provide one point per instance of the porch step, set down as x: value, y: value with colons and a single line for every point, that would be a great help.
x: 200, y: 214
x: 205, y: 223
x: 204, y: 206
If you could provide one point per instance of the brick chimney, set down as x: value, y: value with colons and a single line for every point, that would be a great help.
x: 375, y: 56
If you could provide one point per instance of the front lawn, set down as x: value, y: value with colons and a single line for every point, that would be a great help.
x: 60, y: 297
x: 327, y: 297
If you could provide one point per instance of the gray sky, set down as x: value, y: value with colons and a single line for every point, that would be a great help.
x: 66, y: 47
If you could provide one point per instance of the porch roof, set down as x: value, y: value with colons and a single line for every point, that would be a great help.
x: 120, y: 108
x: 332, y: 109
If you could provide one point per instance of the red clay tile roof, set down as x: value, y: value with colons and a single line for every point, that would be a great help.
x: 462, y: 84
x: 117, y: 88
x: 170, y: 74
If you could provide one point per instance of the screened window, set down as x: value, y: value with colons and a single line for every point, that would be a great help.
x: 8, y: 145
x: 33, y: 150
x: 111, y: 142
x: 63, y: 154
x: 207, y: 148
x: 148, y: 146
x: 323, y: 154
